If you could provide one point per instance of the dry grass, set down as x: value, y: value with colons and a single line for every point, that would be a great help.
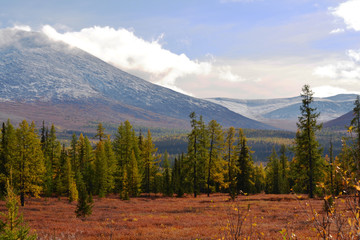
x: 168, y: 218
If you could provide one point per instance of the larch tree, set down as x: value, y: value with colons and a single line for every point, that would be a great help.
x: 215, y: 164
x: 230, y: 156
x: 100, y: 132
x: 28, y: 167
x: 133, y: 175
x: 150, y: 159
x: 100, y: 177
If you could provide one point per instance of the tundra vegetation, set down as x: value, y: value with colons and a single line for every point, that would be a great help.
x: 121, y: 185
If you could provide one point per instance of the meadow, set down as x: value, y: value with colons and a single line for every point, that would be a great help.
x: 158, y: 217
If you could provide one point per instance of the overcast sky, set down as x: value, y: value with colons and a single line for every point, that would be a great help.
x: 211, y: 48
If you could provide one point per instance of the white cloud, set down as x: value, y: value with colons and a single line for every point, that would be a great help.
x: 22, y: 27
x: 338, y: 30
x: 349, y: 11
x: 326, y: 91
x: 226, y: 74
x: 346, y: 71
x: 125, y: 50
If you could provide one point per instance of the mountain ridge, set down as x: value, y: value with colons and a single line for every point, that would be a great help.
x: 35, y: 69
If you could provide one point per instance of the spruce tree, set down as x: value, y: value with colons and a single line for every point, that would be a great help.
x: 177, y: 177
x: 308, y: 162
x: 84, y: 205
x: 52, y: 149
x: 167, y: 191
x: 244, y: 181
x: 230, y: 156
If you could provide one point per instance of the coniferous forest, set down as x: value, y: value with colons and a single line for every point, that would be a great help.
x: 34, y: 163
x: 128, y: 164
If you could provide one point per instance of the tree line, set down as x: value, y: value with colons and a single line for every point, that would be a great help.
x: 128, y: 164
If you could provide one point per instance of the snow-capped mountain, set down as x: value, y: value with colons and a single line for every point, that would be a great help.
x: 41, y: 78
x: 281, y: 110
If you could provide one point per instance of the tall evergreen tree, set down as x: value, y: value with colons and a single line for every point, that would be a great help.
x: 177, y: 177
x: 244, y: 163
x: 52, y: 149
x: 167, y: 190
x: 84, y: 205
x: 193, y: 153
x: 308, y: 159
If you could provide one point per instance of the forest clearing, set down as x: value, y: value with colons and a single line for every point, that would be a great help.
x: 174, y: 218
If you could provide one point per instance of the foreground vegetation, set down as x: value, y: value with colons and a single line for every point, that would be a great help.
x: 171, y: 218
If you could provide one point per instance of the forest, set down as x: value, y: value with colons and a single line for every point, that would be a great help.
x: 34, y: 163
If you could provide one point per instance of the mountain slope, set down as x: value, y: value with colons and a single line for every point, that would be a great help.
x: 40, y: 73
x: 341, y: 122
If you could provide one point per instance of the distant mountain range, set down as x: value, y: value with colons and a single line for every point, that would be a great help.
x: 283, y: 112
x: 41, y: 79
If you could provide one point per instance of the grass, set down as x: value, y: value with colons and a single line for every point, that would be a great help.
x: 169, y: 218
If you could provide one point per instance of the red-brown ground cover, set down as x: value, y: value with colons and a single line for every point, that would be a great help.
x: 168, y: 218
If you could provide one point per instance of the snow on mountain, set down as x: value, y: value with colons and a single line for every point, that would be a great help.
x: 35, y: 69
x: 268, y: 110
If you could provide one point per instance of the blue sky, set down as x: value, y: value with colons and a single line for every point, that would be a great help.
x: 222, y: 48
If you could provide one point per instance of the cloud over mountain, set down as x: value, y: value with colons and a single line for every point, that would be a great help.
x: 127, y: 51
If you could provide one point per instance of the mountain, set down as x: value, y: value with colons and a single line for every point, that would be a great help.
x: 43, y: 79
x: 284, y: 112
x: 341, y: 122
